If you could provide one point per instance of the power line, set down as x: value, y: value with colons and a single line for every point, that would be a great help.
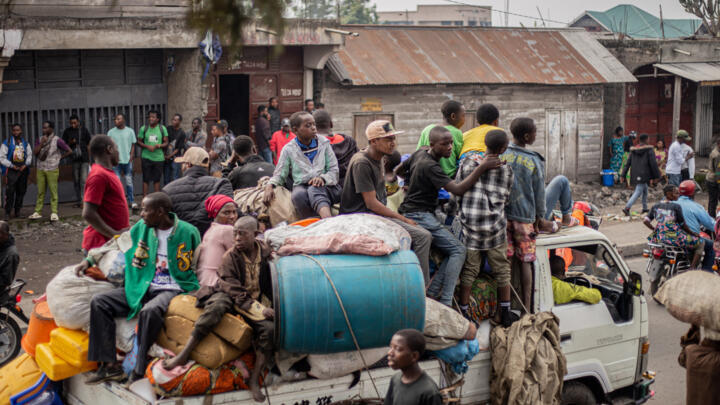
x: 508, y: 12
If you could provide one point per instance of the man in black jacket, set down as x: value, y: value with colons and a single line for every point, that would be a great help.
x: 188, y: 193
x: 9, y: 257
x: 78, y: 138
x: 275, y: 114
x: 245, y: 167
x: 643, y: 170
x: 263, y: 134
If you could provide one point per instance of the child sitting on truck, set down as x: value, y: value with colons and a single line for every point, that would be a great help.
x: 244, y: 276
x: 412, y: 386
x: 484, y: 227
x: 564, y: 292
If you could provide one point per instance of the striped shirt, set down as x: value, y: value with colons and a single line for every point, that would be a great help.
x: 482, y: 208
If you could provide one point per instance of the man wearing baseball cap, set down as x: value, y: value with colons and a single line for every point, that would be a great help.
x: 364, y: 188
x: 678, y: 156
x: 188, y: 193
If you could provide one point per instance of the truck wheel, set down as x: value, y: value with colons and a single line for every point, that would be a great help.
x: 577, y: 393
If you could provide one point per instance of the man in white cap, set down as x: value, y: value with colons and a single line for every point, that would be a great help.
x: 364, y: 188
x: 188, y: 193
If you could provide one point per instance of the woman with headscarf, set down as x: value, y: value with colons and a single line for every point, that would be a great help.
x: 218, y: 238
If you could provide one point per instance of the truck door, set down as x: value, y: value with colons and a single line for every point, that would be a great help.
x: 602, y: 338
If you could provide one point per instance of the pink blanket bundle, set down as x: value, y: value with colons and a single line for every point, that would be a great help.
x: 335, y: 243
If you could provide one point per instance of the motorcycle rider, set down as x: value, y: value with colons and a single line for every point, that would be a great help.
x: 695, y: 215
x: 671, y: 228
x: 9, y: 257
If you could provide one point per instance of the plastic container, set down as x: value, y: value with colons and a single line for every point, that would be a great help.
x: 380, y: 294
x: 21, y: 373
x: 41, y: 393
x: 71, y: 345
x: 54, y: 366
x: 39, y: 328
x: 608, y: 178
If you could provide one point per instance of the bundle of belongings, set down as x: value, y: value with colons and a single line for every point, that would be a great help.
x: 528, y: 365
x: 281, y: 209
x: 361, y: 234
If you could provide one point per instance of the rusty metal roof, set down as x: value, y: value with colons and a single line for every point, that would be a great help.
x: 383, y: 55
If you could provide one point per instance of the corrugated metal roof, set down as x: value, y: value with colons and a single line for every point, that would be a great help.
x: 409, y: 55
x: 638, y: 23
x: 695, y: 71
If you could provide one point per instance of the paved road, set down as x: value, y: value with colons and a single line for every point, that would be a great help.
x: 665, y: 332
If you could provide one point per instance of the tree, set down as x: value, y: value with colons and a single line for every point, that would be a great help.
x: 707, y: 10
x: 315, y: 9
x: 227, y: 18
x: 358, y: 12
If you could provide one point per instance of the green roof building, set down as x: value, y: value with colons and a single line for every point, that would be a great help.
x: 628, y: 20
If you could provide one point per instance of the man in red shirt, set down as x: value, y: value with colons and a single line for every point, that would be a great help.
x: 105, y: 208
x: 280, y: 139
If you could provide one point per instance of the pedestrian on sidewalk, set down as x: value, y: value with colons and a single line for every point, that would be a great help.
x: 677, y: 157
x: 176, y: 148
x: 197, y: 137
x: 661, y: 158
x: 78, y: 139
x: 275, y: 115
x: 712, y: 178
x: 263, y: 135
x: 615, y: 147
x: 643, y: 169
x: 152, y: 138
x: 15, y: 158
x: 105, y: 207
x: 49, y: 151
x: 281, y: 138
x: 124, y: 138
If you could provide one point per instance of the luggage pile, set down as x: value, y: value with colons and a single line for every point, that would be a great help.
x: 343, y: 287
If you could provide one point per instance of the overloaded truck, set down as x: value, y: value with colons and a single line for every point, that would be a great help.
x: 605, y: 344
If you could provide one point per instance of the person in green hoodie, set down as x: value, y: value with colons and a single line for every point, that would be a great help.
x: 159, y: 266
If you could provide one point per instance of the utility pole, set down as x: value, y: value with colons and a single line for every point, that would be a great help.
x: 507, y: 12
x: 337, y: 6
x: 662, y: 25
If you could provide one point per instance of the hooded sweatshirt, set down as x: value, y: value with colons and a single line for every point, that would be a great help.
x: 642, y: 165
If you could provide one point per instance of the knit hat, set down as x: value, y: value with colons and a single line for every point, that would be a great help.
x: 214, y: 204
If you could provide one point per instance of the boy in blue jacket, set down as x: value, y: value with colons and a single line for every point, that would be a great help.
x: 525, y: 210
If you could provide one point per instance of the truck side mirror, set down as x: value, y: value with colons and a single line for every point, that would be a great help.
x: 635, y: 284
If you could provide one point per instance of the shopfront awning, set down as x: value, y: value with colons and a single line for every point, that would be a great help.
x: 703, y: 73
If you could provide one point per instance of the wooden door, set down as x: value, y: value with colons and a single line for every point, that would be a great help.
x: 361, y: 121
x: 570, y: 144
x: 553, y: 146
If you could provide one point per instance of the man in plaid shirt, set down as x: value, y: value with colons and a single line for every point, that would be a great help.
x: 482, y: 215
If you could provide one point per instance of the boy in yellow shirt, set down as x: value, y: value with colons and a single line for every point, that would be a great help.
x: 474, y: 140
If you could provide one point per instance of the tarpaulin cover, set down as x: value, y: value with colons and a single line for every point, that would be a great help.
x: 528, y: 365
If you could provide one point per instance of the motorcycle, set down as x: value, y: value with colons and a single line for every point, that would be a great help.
x: 664, y: 263
x: 10, y: 333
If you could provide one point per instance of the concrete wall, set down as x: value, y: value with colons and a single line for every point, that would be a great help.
x: 415, y: 107
x: 187, y: 93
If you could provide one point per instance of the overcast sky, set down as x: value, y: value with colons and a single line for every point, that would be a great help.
x: 558, y: 10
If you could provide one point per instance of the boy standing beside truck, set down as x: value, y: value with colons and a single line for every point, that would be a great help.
x: 412, y: 386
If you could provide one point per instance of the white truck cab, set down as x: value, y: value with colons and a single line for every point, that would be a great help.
x: 605, y: 344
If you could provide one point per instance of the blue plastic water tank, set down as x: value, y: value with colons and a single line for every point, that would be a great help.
x: 608, y: 178
x: 381, y: 296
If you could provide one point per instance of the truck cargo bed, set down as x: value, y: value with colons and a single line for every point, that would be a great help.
x: 475, y: 389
